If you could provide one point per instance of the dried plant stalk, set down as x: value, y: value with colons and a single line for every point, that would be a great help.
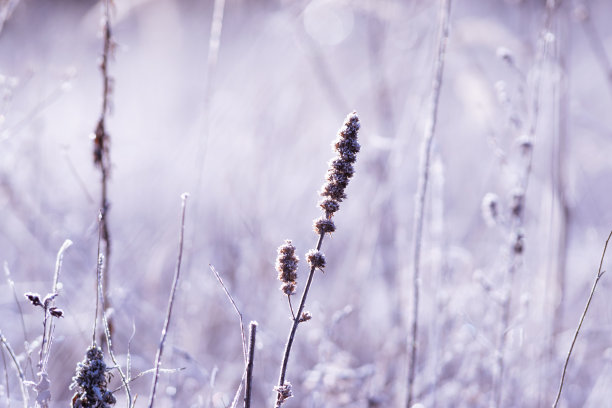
x: 586, y: 309
x: 175, y: 280
x: 422, y: 191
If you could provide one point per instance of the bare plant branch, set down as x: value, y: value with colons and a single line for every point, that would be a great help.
x: 422, y: 190
x: 177, y: 273
x: 233, y: 302
x: 249, y: 375
x: 586, y: 309
x: 22, y: 379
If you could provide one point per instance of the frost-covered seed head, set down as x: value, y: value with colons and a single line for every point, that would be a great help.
x: 34, y: 298
x: 333, y: 191
x: 56, y: 312
x: 316, y: 259
x: 519, y: 243
x: 284, y: 392
x: 305, y: 316
x: 90, y: 382
x: 329, y: 206
x: 518, y: 201
x: 322, y: 226
x: 286, y: 265
x: 505, y: 54
x: 490, y: 209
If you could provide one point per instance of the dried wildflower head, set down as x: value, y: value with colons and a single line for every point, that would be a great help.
x: 323, y: 225
x: 90, y: 382
x: 305, y: 316
x: 505, y: 54
x: 286, y: 265
x: 329, y: 206
x: 316, y: 259
x: 525, y: 144
x: 490, y: 209
x: 56, y: 312
x: 518, y: 202
x: 519, y: 242
x: 285, y: 392
x: 34, y: 298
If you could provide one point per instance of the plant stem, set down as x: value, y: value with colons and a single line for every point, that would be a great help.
x: 586, y: 309
x: 422, y: 190
x: 249, y: 368
x: 175, y: 281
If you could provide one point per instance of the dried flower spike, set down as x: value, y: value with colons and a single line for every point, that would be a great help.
x: 316, y: 259
x: 286, y: 265
x: 90, y: 382
x: 341, y: 168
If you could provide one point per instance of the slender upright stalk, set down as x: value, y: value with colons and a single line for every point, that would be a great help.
x: 517, y: 214
x: 422, y: 190
x: 102, y: 153
x: 107, y: 331
x: 177, y: 273
x: 249, y: 368
x: 338, y: 175
x: 586, y: 309
x: 22, y: 379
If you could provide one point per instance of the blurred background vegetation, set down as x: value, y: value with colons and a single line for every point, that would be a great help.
x: 246, y: 129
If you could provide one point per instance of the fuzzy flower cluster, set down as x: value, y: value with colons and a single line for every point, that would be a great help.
x: 90, y: 382
x: 316, y: 259
x: 286, y: 265
x: 341, y: 167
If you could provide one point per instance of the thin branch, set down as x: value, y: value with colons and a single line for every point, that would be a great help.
x: 6, y: 378
x: 22, y: 379
x: 177, y: 273
x: 58, y: 267
x: 231, y: 299
x: 249, y: 371
x: 98, y: 281
x: 107, y: 331
x: 23, y: 327
x: 422, y: 190
x: 586, y: 309
x: 145, y: 372
x: 242, y: 335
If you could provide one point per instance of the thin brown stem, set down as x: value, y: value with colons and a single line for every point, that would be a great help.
x: 102, y: 155
x: 291, y: 307
x: 107, y: 332
x: 249, y: 369
x: 422, y: 190
x: 586, y: 309
x: 177, y: 273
